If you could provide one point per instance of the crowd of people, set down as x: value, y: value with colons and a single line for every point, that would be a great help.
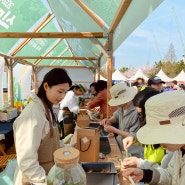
x: 147, y: 122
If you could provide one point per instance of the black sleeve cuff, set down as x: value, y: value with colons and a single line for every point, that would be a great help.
x: 147, y: 176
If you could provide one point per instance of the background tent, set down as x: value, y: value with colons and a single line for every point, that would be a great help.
x: 117, y: 76
x: 101, y: 77
x: 139, y: 74
x: 163, y: 76
x: 180, y: 77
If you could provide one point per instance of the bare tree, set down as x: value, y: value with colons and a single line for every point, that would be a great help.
x: 170, y: 56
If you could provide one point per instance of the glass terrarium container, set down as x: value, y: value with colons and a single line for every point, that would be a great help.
x: 67, y: 170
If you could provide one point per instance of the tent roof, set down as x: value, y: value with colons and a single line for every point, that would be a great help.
x: 163, y: 76
x: 117, y: 75
x: 180, y: 77
x: 139, y: 74
x: 78, y: 33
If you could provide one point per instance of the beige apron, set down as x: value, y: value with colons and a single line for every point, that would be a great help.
x: 48, y: 145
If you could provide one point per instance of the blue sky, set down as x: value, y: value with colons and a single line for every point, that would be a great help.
x: 150, y: 41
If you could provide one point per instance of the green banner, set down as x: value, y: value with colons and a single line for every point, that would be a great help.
x: 40, y: 46
x: 18, y: 16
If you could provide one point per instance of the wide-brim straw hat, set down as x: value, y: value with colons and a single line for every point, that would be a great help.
x: 165, y: 119
x: 122, y: 94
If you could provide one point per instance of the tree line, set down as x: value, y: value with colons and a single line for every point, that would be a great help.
x: 169, y: 65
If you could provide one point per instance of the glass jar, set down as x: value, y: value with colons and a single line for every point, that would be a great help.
x: 67, y: 170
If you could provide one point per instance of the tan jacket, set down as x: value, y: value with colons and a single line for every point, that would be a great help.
x: 33, y: 143
x: 100, y: 100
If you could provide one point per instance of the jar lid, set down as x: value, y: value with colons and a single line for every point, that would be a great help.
x: 66, y: 155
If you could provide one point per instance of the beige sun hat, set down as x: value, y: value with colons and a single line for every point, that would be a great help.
x: 121, y: 94
x: 83, y: 87
x: 165, y: 119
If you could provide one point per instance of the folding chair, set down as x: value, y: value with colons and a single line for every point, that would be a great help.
x: 5, y: 157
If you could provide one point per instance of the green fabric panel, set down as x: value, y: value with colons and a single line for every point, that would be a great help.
x: 18, y: 16
x: 73, y: 19
x: 137, y: 12
x: 39, y: 46
x: 56, y: 52
x: 105, y: 9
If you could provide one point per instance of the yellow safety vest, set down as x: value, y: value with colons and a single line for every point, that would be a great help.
x: 154, y: 155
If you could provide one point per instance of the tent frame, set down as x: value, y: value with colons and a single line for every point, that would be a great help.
x: 107, y: 49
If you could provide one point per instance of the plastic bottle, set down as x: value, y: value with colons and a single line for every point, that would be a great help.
x: 66, y: 170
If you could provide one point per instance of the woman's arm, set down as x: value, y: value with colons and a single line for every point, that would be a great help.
x: 28, y: 134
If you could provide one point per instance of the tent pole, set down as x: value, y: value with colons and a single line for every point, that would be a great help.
x: 109, y: 71
x: 109, y: 83
x: 35, y: 80
x: 98, y: 72
x: 10, y: 74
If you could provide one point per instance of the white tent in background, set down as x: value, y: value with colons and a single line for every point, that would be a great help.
x: 180, y: 77
x: 139, y: 74
x: 101, y: 77
x: 163, y: 76
x: 118, y: 76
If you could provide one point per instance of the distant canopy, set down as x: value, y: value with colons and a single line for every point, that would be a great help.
x: 138, y: 74
x: 163, y: 76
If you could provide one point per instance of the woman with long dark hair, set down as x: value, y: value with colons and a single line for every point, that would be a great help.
x: 35, y: 130
x: 153, y: 154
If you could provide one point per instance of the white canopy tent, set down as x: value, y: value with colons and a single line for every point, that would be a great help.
x: 163, y: 76
x: 139, y: 74
x: 180, y: 77
x: 118, y: 76
x: 101, y: 77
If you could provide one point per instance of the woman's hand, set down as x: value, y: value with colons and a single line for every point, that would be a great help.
x: 135, y: 173
x: 109, y: 128
x: 96, y: 109
x: 105, y: 122
x: 127, y: 142
x: 130, y: 162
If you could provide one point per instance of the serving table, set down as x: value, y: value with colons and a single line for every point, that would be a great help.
x: 6, y: 132
x: 115, y: 155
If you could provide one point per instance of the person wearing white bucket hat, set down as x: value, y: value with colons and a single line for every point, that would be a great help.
x: 165, y: 125
x: 126, y: 115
